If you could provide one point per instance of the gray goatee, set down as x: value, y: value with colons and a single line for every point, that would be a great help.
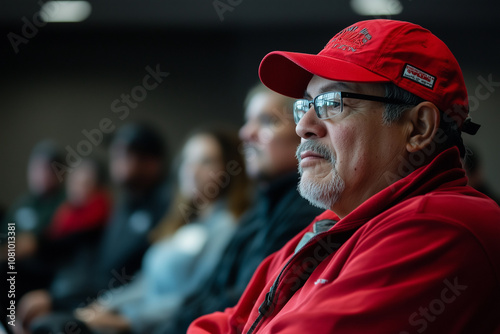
x: 323, y: 193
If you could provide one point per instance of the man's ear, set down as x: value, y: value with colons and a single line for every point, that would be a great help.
x: 424, y: 119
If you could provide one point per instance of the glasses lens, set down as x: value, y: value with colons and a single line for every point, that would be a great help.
x: 300, y: 107
x: 328, y: 104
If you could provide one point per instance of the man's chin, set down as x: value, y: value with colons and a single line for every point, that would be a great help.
x: 322, y: 194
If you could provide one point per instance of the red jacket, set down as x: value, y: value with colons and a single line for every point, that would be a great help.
x: 421, y: 255
x: 70, y: 219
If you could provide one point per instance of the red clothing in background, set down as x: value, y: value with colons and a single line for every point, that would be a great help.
x: 423, y: 256
x: 70, y: 219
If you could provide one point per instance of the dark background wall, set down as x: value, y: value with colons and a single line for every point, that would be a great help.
x: 64, y: 80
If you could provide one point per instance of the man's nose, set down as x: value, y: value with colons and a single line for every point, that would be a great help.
x: 310, y: 126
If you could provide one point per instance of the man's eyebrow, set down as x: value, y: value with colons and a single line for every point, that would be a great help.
x: 334, y: 86
x: 307, y: 95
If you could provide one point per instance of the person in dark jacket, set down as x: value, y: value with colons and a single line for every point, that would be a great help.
x: 33, y: 212
x: 278, y: 214
x: 137, y: 168
x: 29, y: 216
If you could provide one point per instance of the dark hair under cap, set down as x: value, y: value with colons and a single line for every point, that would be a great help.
x: 140, y: 138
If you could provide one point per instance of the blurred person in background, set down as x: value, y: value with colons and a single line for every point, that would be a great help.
x: 76, y: 225
x: 79, y: 221
x: 278, y: 214
x: 212, y: 194
x: 138, y: 169
x: 32, y: 213
x: 87, y: 206
x: 473, y: 165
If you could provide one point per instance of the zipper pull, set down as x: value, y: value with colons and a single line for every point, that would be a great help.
x: 265, y: 307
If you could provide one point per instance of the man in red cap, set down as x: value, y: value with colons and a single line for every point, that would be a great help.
x: 404, y: 246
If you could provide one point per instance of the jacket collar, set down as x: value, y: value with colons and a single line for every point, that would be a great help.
x: 444, y: 171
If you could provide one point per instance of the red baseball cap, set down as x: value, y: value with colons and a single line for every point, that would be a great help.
x: 379, y: 50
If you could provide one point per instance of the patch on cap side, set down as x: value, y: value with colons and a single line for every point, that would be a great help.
x: 419, y: 76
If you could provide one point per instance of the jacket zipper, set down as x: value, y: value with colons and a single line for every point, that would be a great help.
x: 264, y: 308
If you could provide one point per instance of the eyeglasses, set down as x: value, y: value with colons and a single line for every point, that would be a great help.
x: 330, y: 104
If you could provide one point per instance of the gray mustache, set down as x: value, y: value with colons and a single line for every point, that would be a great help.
x: 317, y: 148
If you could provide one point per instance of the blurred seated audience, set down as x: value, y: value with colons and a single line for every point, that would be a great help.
x: 212, y: 194
x: 279, y: 213
x: 33, y: 212
x: 31, y: 215
x: 77, y: 223
x: 138, y: 169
